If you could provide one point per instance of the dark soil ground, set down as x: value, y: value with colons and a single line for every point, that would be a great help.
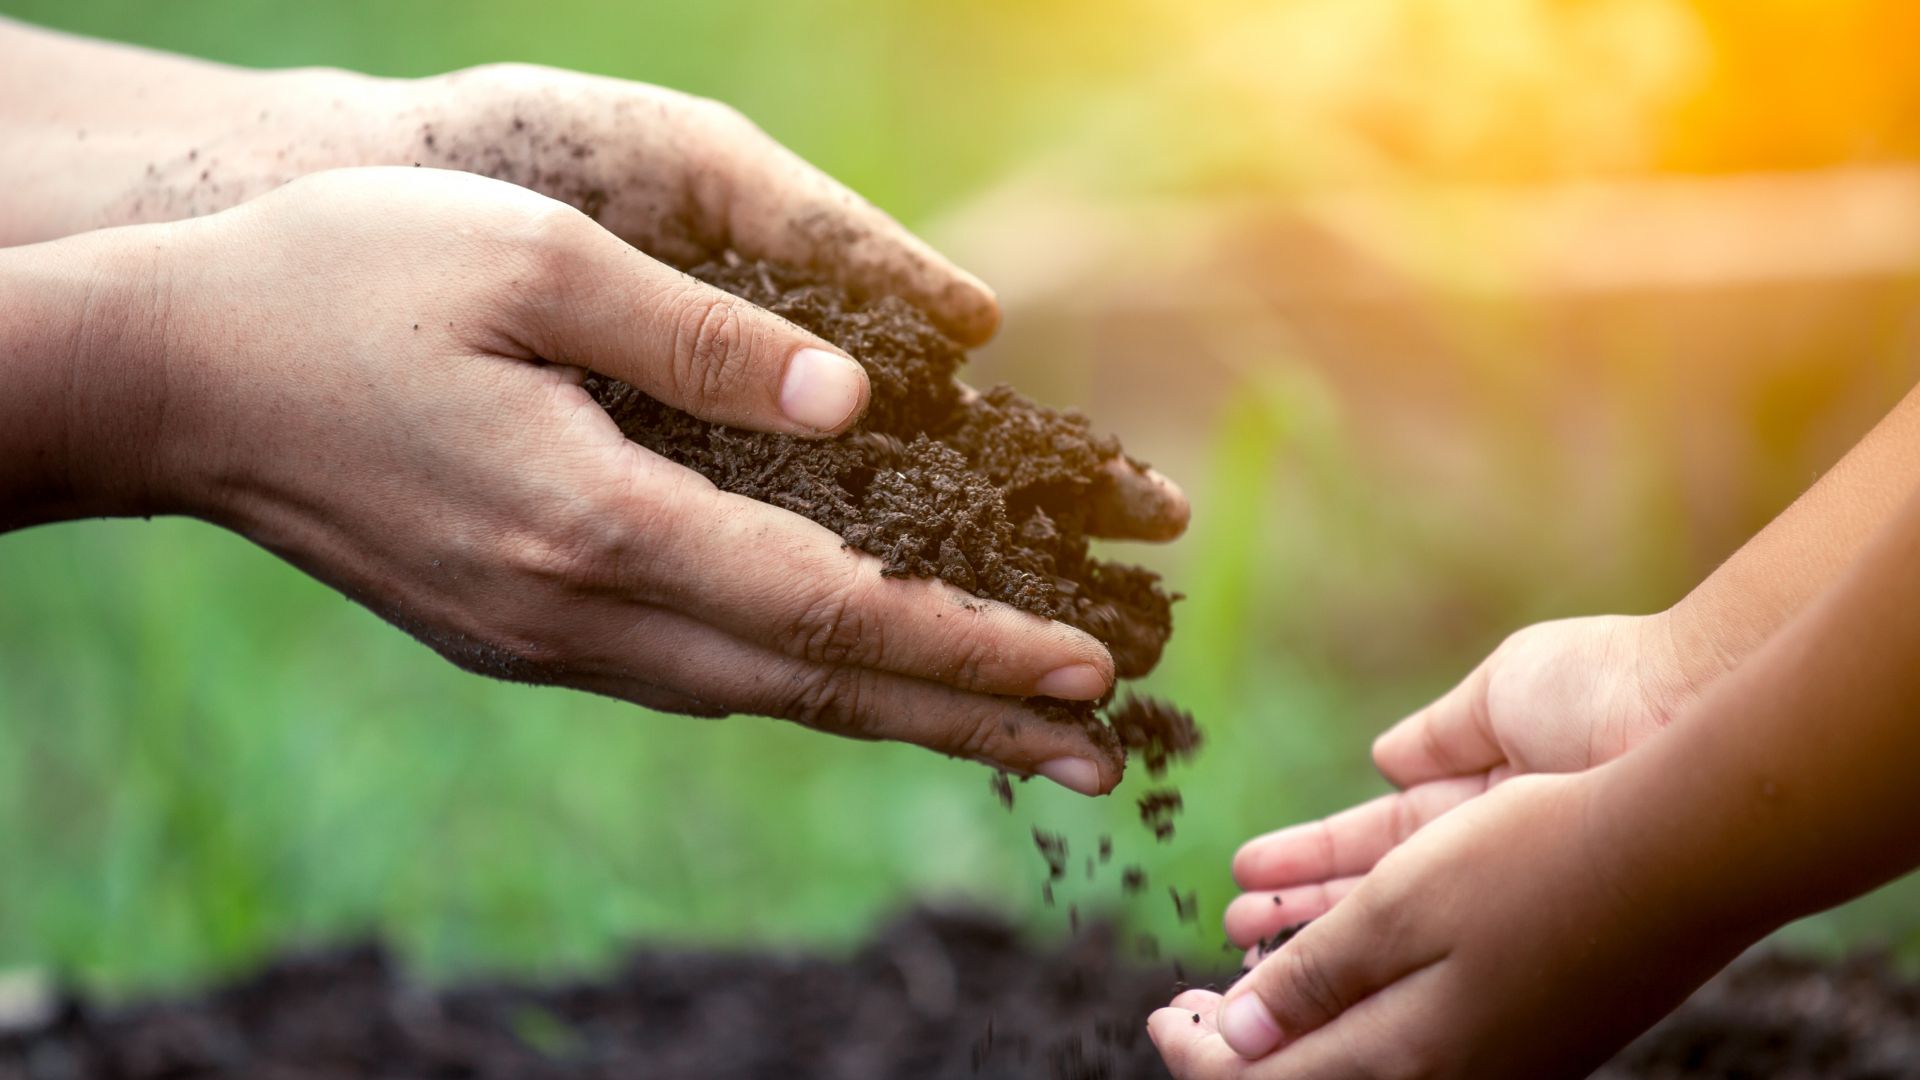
x: 989, y: 491
x: 931, y: 996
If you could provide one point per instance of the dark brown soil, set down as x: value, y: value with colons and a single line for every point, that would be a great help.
x: 932, y: 996
x: 990, y: 492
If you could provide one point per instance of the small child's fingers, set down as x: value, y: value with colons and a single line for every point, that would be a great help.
x: 1350, y: 842
x: 1256, y: 915
x: 1200, y: 1003
x: 1451, y: 737
x: 1192, y: 1051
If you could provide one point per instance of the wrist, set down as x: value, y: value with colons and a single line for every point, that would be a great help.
x: 1670, y: 844
x: 85, y: 425
x: 1705, y: 637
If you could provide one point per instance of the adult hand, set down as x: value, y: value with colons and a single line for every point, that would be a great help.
x: 1555, y: 697
x: 376, y: 374
x: 140, y: 136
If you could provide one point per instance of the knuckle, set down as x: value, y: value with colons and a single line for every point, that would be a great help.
x: 1304, y: 978
x: 720, y: 114
x: 509, y: 72
x: 827, y: 698
x: 576, y: 554
x: 709, y: 347
x: 1403, y: 820
x: 834, y: 629
x: 974, y: 657
x: 554, y: 238
x: 970, y: 736
x: 590, y: 545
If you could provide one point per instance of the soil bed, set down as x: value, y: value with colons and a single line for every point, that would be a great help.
x: 930, y: 996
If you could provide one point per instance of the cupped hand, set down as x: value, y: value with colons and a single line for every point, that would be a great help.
x: 1555, y: 697
x: 682, y: 178
x: 376, y: 373
x: 1511, y: 938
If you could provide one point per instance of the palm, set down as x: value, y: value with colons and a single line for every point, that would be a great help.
x: 1555, y: 697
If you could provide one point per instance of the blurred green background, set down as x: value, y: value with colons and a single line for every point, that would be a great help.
x: 1407, y: 431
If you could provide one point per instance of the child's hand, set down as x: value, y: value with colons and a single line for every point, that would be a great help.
x: 1556, y: 697
x: 1511, y: 938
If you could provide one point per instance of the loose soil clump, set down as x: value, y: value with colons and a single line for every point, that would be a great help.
x: 989, y: 492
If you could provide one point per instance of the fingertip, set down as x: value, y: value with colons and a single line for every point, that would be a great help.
x: 1136, y: 502
x: 1176, y: 511
x: 969, y: 309
x: 1198, y: 1000
x: 1389, y: 754
x: 823, y: 391
x: 1247, y: 1026
x: 1078, y: 681
x: 1169, y: 1025
x: 1075, y: 774
x: 1240, y: 921
x: 1078, y: 667
x: 1248, y: 860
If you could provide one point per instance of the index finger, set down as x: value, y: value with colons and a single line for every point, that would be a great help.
x: 1135, y: 502
x: 780, y: 207
x: 1351, y: 841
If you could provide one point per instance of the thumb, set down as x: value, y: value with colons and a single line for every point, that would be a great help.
x: 611, y: 309
x: 1328, y: 967
x: 1451, y: 737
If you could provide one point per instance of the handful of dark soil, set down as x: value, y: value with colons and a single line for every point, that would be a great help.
x: 989, y: 492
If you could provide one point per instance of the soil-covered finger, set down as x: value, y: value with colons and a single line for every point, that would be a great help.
x: 1135, y: 502
x: 784, y: 209
x: 715, y: 666
x: 792, y: 586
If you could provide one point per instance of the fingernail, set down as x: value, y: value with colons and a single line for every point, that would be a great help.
x: 1248, y: 1027
x: 1074, y: 774
x: 1075, y: 682
x: 821, y: 389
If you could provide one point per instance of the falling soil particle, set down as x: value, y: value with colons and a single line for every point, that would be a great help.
x: 1185, y: 907
x: 1157, y: 809
x: 1053, y: 848
x: 1159, y: 732
x: 1003, y: 789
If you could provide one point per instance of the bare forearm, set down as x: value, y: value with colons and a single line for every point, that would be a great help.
x: 1803, y: 550
x: 1790, y: 786
x: 97, y: 134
